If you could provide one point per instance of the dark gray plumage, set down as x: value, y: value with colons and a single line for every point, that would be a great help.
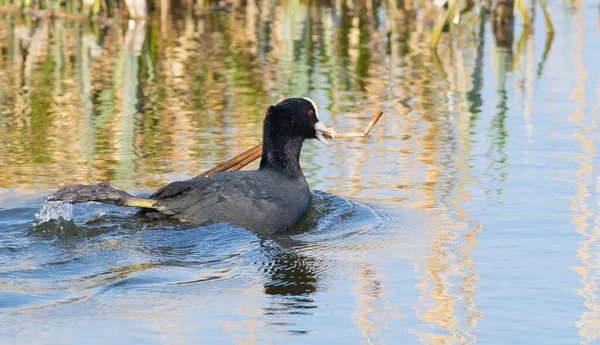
x: 262, y: 200
x: 267, y: 200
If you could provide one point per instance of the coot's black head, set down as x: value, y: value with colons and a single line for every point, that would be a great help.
x: 295, y: 117
x: 286, y: 126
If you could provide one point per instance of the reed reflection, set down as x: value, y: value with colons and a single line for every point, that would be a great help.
x: 145, y: 103
x: 582, y: 218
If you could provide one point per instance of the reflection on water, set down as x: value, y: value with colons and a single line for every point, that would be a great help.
x: 585, y: 125
x: 452, y: 223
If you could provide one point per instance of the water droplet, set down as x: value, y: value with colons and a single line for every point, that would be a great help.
x: 53, y: 210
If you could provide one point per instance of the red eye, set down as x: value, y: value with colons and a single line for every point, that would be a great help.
x: 310, y: 113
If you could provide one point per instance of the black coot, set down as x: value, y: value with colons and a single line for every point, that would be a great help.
x: 267, y: 200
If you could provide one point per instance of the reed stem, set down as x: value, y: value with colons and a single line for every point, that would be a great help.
x: 238, y: 162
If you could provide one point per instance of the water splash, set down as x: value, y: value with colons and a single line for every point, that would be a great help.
x: 94, y: 215
x: 53, y: 210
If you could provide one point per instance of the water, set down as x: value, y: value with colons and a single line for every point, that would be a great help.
x: 53, y: 211
x: 470, y: 215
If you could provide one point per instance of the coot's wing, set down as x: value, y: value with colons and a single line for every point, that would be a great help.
x: 173, y: 189
x: 217, y: 191
x: 248, y: 199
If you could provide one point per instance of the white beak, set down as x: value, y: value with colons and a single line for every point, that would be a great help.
x: 324, y: 132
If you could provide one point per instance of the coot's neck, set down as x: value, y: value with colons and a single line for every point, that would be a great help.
x: 281, y: 151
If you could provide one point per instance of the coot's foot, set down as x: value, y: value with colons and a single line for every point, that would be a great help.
x: 104, y: 192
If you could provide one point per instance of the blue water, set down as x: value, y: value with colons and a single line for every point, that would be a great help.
x: 119, y: 271
x: 469, y: 215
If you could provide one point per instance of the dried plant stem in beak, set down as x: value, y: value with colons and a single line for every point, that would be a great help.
x: 249, y: 156
x: 372, y: 123
x: 350, y: 135
x: 367, y: 130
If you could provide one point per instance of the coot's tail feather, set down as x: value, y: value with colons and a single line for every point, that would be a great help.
x: 104, y: 192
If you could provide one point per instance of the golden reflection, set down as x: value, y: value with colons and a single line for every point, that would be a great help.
x: 148, y: 102
x: 589, y: 322
x: 447, y: 186
x: 464, y: 179
x: 529, y: 88
x: 252, y: 325
x: 369, y: 293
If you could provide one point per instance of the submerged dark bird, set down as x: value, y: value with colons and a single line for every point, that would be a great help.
x: 267, y: 200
